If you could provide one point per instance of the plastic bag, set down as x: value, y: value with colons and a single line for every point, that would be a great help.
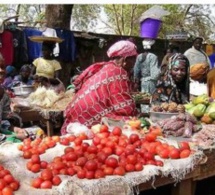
x: 155, y: 12
x: 77, y: 129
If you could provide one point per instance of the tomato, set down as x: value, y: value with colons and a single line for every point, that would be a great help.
x: 78, y: 141
x: 107, y: 150
x: 164, y: 153
x: 103, y: 141
x: 4, y: 172
x: 63, y: 172
x: 81, y: 161
x: 35, y: 168
x: 43, y: 164
x: 71, y: 156
x: 46, y: 185
x: 130, y: 149
x: 184, y: 145
x: 150, y: 162
x: 14, y: 185
x: 8, y: 178
x: 99, y: 174
x: 41, y: 150
x: 129, y: 167
x: 110, y: 144
x: 71, y: 171
x: 35, y: 158
x: 96, y: 140
x: 90, y: 174
x: 46, y: 174
x: 123, y: 142
x: 64, y: 141
x: 92, y: 149
x: 56, y: 180
x: 159, y: 148
x: 159, y: 163
x: 7, y: 191
x: 103, y: 128
x: 116, y: 131
x: 150, y: 137
x: 185, y: 153
x: 119, y: 150
x: 133, y: 138
x: 85, y: 146
x: 20, y: 147
x: 101, y: 157
x: 131, y: 159
x: 103, y: 135
x: 29, y: 165
x: 27, y: 154
x: 81, y: 174
x: 138, y: 167
x: 72, y: 138
x: 56, y: 138
x: 119, y: 171
x: 108, y: 171
x: 149, y: 156
x: 58, y: 165
x: 2, y: 184
x: 111, y: 162
x: 91, y: 165
x: 174, y: 153
x: 51, y: 144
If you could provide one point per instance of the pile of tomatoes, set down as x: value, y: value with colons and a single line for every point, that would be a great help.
x: 109, y: 153
x: 8, y: 184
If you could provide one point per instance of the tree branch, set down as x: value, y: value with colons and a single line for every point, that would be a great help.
x: 117, y: 21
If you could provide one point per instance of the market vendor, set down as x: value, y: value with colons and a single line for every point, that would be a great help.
x: 173, y: 86
x: 104, y: 89
x: 47, y: 66
x: 10, y: 72
x: 24, y: 77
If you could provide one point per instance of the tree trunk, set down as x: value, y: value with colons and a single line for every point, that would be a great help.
x: 58, y: 16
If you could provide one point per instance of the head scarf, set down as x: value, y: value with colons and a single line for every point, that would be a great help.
x: 26, y: 68
x: 167, y: 90
x: 9, y: 69
x: 122, y: 49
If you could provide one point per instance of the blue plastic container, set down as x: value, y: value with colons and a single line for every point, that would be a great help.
x: 149, y: 28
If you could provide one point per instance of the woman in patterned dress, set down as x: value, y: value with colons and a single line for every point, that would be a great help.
x: 173, y: 86
x: 103, y: 89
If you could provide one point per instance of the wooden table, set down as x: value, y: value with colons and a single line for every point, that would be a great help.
x: 188, y: 185
x: 34, y: 115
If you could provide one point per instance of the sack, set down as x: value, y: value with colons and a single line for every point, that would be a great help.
x: 198, y: 72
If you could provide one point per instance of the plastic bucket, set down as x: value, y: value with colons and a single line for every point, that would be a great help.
x: 149, y: 28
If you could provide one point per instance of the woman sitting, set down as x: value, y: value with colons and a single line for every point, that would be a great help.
x: 24, y: 78
x: 104, y: 89
x: 10, y: 72
x: 173, y: 86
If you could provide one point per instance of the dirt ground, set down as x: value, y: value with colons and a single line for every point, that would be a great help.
x: 204, y: 187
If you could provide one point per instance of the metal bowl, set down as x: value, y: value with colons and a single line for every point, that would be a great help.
x: 23, y: 90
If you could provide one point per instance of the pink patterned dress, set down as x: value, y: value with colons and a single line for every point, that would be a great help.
x: 104, y: 91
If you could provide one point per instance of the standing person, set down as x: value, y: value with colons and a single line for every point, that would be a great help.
x: 146, y: 72
x: 174, y: 85
x: 104, y: 89
x: 24, y: 77
x: 47, y: 66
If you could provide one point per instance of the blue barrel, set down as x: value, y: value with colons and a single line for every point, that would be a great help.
x: 150, y: 27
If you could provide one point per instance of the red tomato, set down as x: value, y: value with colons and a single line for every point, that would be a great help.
x: 119, y: 171
x: 29, y: 165
x: 103, y: 128
x: 110, y: 144
x: 35, y: 158
x: 56, y: 138
x: 149, y: 156
x: 185, y: 153
x: 71, y: 156
x: 7, y: 191
x: 96, y: 140
x: 103, y: 141
x: 4, y: 172
x: 56, y: 180
x: 27, y: 155
x: 159, y: 148
x: 8, y: 178
x: 83, y: 136
x: 111, y: 162
x: 71, y: 171
x: 68, y: 149
x: 90, y: 174
x: 92, y: 149
x: 150, y: 162
x: 138, y: 167
x: 131, y: 159
x: 2, y: 184
x: 129, y: 149
x: 184, y: 145
x: 64, y: 141
x: 72, y: 138
x: 133, y: 138
x: 99, y: 174
x: 58, y: 165
x: 108, y: 171
x: 85, y: 146
x: 91, y: 165
x: 119, y: 150
x: 78, y: 141
x: 41, y: 150
x: 164, y: 153
x: 103, y: 135
x: 20, y: 147
x: 174, y: 153
x: 46, y: 185
x: 46, y: 174
x: 129, y: 167
x: 81, y: 161
x: 101, y: 157
x: 81, y: 174
x: 159, y: 163
x: 14, y: 185
x: 116, y: 131
x: 35, y: 168
x: 107, y: 150
x: 150, y: 137
x: 43, y: 164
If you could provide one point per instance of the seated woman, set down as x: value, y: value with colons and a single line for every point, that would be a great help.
x: 10, y: 72
x: 24, y: 78
x: 54, y: 84
x: 104, y: 89
x: 173, y: 86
